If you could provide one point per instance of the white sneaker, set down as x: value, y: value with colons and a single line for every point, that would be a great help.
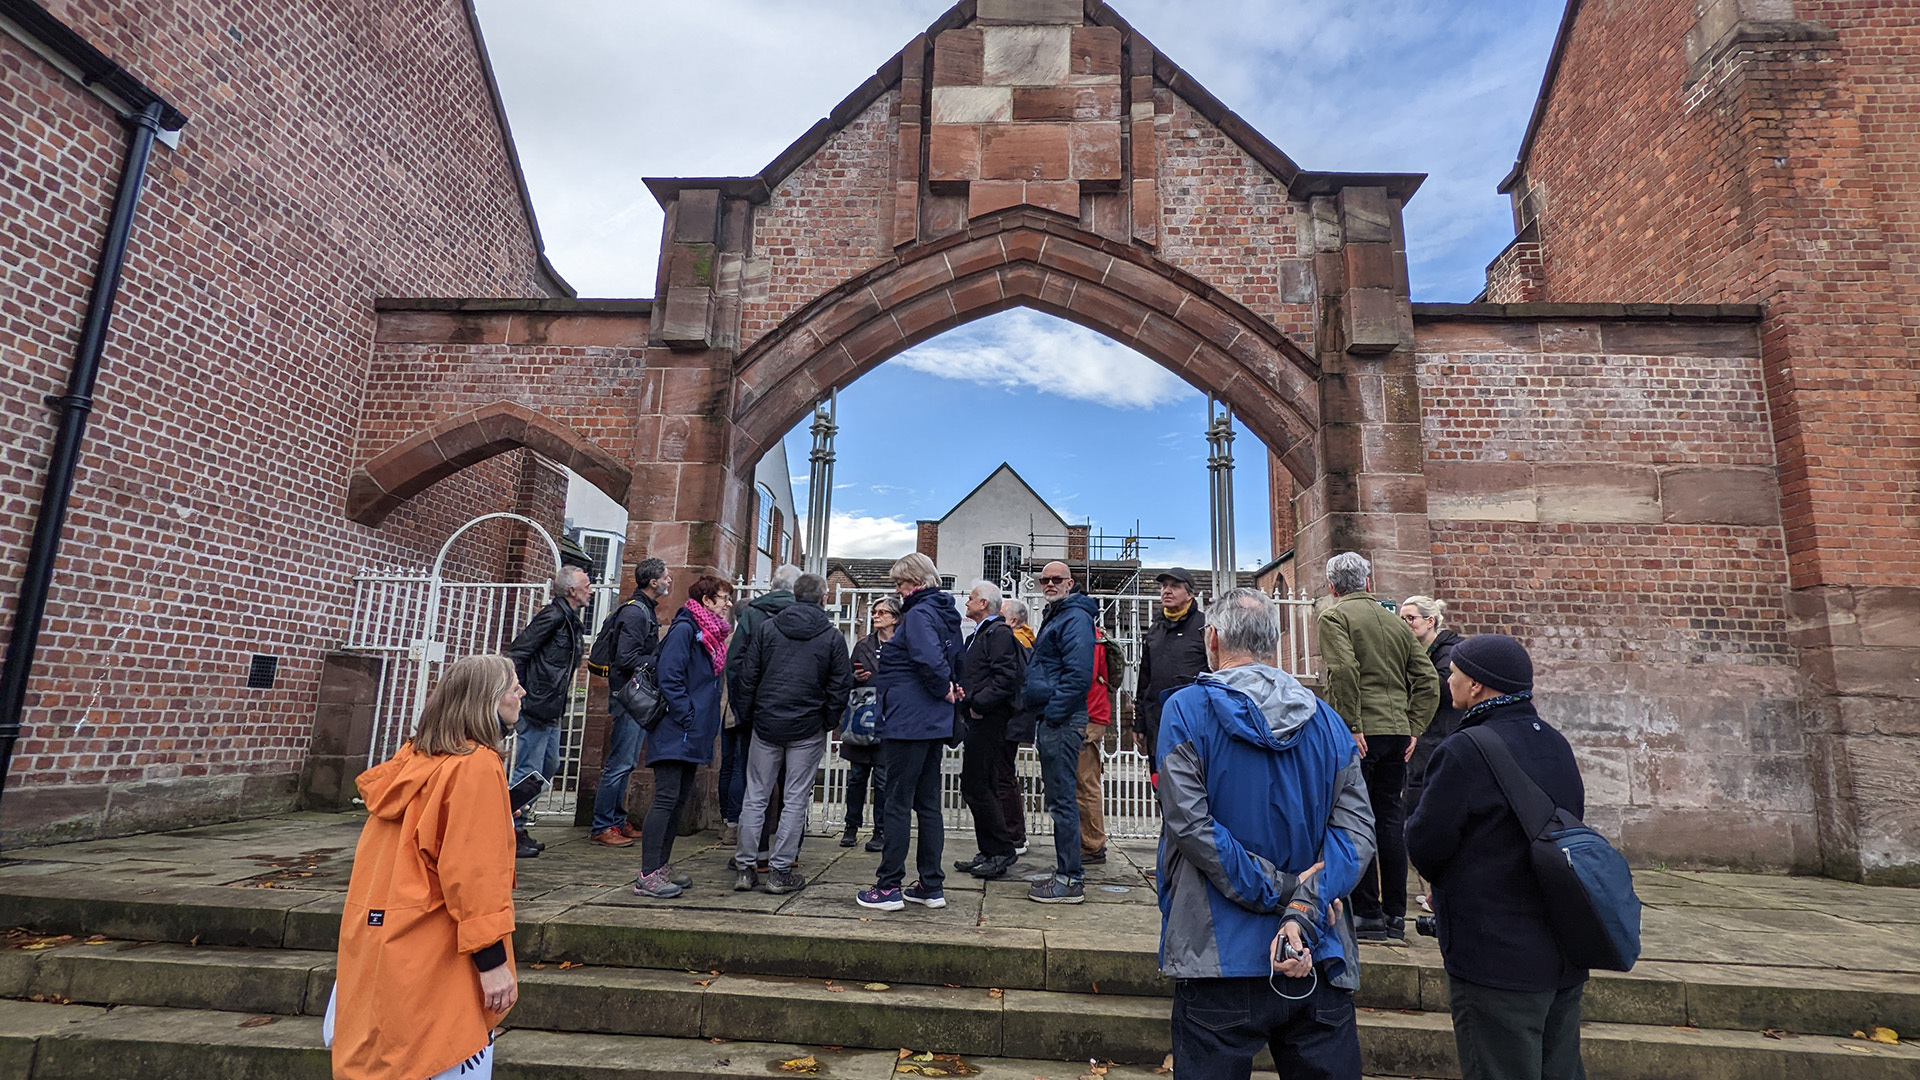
x: 1020, y: 850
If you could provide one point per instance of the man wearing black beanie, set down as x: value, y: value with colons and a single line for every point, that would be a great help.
x: 1515, y: 999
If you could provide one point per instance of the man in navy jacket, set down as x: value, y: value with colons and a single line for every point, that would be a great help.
x: 1059, y: 674
x: 1265, y: 824
x: 1515, y: 999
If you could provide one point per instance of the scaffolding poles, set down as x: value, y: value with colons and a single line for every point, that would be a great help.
x: 1220, y: 492
x: 820, y: 485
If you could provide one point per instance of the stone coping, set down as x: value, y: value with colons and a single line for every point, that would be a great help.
x: 555, y: 305
x: 1549, y: 310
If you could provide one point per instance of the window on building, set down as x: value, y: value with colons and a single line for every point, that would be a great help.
x: 1000, y: 563
x: 767, y: 510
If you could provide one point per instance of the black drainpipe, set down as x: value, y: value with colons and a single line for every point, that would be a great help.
x: 74, y: 406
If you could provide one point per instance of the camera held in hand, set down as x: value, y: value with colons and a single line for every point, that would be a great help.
x: 1424, y: 926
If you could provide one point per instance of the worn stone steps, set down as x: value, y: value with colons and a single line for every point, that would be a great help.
x: 599, y: 929
x: 41, y: 1041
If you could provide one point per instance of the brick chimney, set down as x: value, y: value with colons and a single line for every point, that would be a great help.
x: 928, y: 541
x: 1076, y: 543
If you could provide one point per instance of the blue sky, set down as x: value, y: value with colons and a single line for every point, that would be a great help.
x: 604, y: 92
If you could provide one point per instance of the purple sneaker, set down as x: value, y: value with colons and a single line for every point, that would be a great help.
x: 919, y: 894
x: 880, y: 899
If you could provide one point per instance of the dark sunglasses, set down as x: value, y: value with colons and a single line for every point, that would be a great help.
x: 1055, y: 580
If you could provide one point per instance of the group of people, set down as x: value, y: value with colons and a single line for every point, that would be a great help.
x: 1282, y: 811
x: 1288, y: 821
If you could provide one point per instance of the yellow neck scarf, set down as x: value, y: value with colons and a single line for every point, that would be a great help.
x: 1175, y: 616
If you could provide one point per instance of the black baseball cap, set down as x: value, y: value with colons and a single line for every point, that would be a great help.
x: 1178, y: 573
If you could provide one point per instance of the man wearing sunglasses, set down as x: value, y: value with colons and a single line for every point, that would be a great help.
x: 1059, y: 674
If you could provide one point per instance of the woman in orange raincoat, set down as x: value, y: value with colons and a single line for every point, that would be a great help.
x: 426, y: 946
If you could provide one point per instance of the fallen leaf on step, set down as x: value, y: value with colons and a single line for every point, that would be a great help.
x: 1166, y: 1067
x: 97, y: 939
x: 722, y: 1063
x: 924, y: 1055
x: 716, y: 1042
x: 702, y: 982
x: 904, y: 1054
x: 996, y: 992
x: 565, y: 964
x: 1773, y: 1033
x: 1884, y: 1035
x: 1855, y: 1049
x: 808, y: 1064
x: 832, y: 989
x: 258, y: 1021
x: 876, y: 986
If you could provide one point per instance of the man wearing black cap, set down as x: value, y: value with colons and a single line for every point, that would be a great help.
x: 1173, y: 655
x: 1515, y: 999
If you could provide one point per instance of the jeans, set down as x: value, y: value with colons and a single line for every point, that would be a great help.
x: 1090, y: 797
x: 1220, y: 1024
x: 627, y: 736
x: 733, y: 771
x: 979, y: 762
x: 536, y: 748
x: 913, y: 791
x: 1516, y: 1035
x: 1013, y: 797
x: 858, y: 777
x: 765, y: 765
x: 672, y: 791
x: 1383, y: 886
x: 1059, y: 746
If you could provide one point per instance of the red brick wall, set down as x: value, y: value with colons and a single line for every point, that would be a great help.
x: 333, y: 155
x: 826, y: 222
x: 1603, y: 490
x: 1784, y: 173
x: 1228, y: 222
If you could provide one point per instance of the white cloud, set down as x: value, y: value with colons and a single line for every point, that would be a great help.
x: 857, y: 536
x: 1026, y: 350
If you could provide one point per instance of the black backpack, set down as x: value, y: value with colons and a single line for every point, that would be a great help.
x: 600, y: 660
x: 1587, y: 885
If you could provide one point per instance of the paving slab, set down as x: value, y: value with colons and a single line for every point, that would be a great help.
x: 159, y: 1043
x: 537, y: 1055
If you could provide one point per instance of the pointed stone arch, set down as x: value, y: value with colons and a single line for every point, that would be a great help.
x: 1030, y: 258
x: 421, y: 460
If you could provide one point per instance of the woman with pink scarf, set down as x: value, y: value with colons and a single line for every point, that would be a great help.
x: 692, y: 656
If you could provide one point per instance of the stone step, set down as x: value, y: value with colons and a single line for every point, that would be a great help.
x: 1071, y: 952
x: 41, y: 1041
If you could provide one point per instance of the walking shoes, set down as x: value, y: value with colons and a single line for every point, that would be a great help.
x: 1057, y: 890
x: 880, y: 899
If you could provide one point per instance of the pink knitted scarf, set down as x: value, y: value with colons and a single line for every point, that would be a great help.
x: 713, y: 632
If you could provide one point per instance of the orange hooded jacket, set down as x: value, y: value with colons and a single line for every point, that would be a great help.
x: 432, y: 884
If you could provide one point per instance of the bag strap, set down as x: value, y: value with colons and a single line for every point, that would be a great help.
x: 1528, y: 800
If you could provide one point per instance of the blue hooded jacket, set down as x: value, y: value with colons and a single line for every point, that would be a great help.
x: 1259, y: 780
x: 692, y: 693
x: 916, y: 668
x: 1060, y: 671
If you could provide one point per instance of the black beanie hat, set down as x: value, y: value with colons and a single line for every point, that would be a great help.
x: 1496, y: 661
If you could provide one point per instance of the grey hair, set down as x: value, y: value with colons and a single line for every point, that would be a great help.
x: 1429, y: 608
x: 915, y: 569
x: 1247, y: 622
x: 989, y: 592
x: 784, y: 577
x: 1015, y: 611
x: 891, y: 603
x: 648, y: 571
x: 810, y: 589
x: 563, y: 580
x: 1347, y: 572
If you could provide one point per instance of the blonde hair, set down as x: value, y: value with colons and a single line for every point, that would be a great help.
x: 464, y: 708
x: 1429, y: 608
x: 915, y: 569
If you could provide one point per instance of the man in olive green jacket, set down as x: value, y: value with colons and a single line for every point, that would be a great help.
x: 1381, y: 683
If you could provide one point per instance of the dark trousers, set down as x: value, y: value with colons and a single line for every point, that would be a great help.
x: 672, y: 791
x: 979, y: 762
x: 858, y: 777
x: 1383, y: 887
x: 1515, y: 1034
x: 1013, y: 797
x: 1220, y: 1024
x: 733, y: 771
x: 913, y: 792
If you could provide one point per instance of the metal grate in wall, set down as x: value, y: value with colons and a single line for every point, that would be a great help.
x: 260, y: 673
